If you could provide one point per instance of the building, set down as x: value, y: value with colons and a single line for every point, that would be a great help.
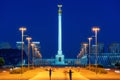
x: 114, y: 48
x: 5, y: 45
x: 106, y: 59
x: 19, y: 46
x: 100, y: 48
x: 12, y: 56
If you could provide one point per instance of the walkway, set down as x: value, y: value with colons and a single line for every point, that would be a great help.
x: 58, y: 75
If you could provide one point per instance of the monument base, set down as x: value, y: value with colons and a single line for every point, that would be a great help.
x: 59, y: 59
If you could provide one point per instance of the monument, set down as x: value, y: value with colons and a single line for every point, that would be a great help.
x: 59, y: 57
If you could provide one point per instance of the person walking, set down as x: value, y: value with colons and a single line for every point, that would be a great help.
x: 50, y: 73
x: 70, y: 74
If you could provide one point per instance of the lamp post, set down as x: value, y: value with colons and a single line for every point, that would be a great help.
x: 22, y: 29
x: 36, y: 49
x: 89, y: 39
x: 85, y: 47
x: 33, y: 45
x: 96, y: 29
x: 28, y: 39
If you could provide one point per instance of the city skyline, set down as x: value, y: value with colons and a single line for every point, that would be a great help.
x: 78, y: 18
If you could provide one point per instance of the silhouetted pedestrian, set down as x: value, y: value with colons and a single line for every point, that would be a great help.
x: 50, y: 73
x: 70, y: 74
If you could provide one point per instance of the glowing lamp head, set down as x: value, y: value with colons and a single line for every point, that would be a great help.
x: 28, y: 38
x: 85, y: 44
x: 90, y: 38
x: 95, y: 29
x: 22, y: 29
x: 32, y: 44
x: 36, y: 49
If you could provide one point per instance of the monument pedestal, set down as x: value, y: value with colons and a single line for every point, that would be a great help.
x: 59, y: 59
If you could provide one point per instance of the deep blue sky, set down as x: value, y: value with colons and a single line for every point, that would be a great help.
x: 40, y: 19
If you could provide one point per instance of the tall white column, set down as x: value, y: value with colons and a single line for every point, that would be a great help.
x: 59, y: 56
x: 59, y: 30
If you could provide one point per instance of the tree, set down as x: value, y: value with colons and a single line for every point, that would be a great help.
x: 2, y: 61
x: 117, y: 65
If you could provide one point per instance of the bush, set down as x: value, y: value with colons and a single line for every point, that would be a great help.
x: 102, y: 71
x: 2, y: 61
x: 117, y: 65
x: 94, y: 65
x: 98, y: 70
x: 18, y: 70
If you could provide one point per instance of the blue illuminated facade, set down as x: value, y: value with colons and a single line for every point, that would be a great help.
x: 106, y: 59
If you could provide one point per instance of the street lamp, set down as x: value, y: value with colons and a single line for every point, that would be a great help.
x: 22, y: 29
x: 33, y: 45
x: 28, y: 39
x: 96, y: 29
x: 85, y: 47
x: 89, y: 39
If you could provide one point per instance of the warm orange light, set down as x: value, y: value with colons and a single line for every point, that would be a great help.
x: 90, y: 38
x: 95, y: 29
x: 32, y: 44
x: 28, y: 38
x: 85, y: 44
x: 35, y: 49
x: 22, y: 29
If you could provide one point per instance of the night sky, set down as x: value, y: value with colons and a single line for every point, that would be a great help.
x: 41, y: 20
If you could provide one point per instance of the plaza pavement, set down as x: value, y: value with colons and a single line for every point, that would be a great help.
x: 59, y: 74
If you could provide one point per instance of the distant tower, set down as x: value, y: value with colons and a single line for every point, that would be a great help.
x: 59, y: 57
